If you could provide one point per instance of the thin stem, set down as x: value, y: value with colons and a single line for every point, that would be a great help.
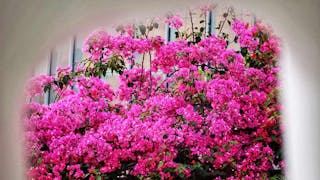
x: 58, y: 96
x: 192, y: 28
x: 168, y: 75
x: 150, y: 74
x: 205, y: 24
x: 223, y: 22
x: 142, y: 70
x: 230, y: 11
x: 179, y: 33
x: 148, y: 31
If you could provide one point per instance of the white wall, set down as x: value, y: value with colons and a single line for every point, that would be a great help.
x: 29, y: 28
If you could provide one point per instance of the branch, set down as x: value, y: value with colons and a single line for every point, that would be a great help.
x: 168, y: 75
x: 192, y: 28
x: 141, y: 74
x: 150, y: 74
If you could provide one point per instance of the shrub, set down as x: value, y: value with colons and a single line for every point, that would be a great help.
x: 207, y: 108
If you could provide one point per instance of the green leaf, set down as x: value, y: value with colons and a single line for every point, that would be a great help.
x: 265, y: 37
x: 274, y: 138
x: 60, y: 84
x: 201, y: 29
x: 197, y: 165
x: 65, y: 80
x: 142, y: 29
x: 235, y: 39
x: 230, y: 59
x: 165, y: 136
x: 225, y: 15
x: 98, y: 177
x: 87, y: 175
x: 47, y: 87
x: 233, y: 142
x: 150, y: 28
x: 155, y: 25
x: 39, y: 161
x: 95, y: 171
x: 226, y: 147
x: 267, y: 103
x: 277, y: 177
x: 198, y: 39
x: 130, y: 84
x: 160, y: 164
x: 55, y: 82
x: 259, y: 138
x: 244, y: 51
x: 177, y: 34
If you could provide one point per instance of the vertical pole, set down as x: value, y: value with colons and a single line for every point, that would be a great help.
x: 168, y: 33
x: 168, y: 38
x: 48, y: 93
x: 209, y: 23
x: 254, y: 19
x: 72, y: 54
x: 212, y: 21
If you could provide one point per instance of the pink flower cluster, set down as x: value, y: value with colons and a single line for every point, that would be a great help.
x: 36, y: 85
x: 246, y: 35
x: 174, y: 21
x: 181, y: 54
x: 101, y: 45
x: 135, y: 84
x: 215, y: 115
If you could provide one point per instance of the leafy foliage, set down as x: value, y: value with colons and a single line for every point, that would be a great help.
x: 214, y: 115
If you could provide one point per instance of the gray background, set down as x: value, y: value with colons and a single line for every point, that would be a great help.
x: 29, y: 28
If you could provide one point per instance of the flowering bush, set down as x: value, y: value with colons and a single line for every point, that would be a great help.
x: 214, y: 115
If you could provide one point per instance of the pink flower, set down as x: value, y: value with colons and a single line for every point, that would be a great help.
x: 37, y: 84
x: 129, y: 29
x: 174, y: 21
x: 198, y: 107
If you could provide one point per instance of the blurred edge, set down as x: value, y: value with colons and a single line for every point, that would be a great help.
x: 28, y: 28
